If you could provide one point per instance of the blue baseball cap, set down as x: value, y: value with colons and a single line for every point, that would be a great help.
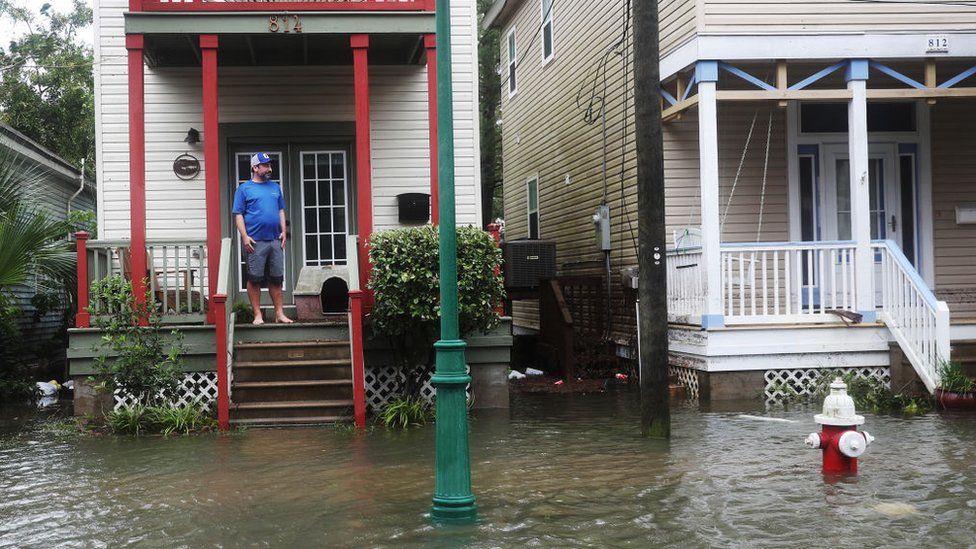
x: 260, y: 158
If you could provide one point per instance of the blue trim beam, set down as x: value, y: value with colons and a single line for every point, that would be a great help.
x: 712, y: 321
x: 958, y: 78
x: 706, y: 71
x: 668, y: 97
x: 746, y: 76
x: 897, y: 75
x: 819, y: 75
x: 691, y: 83
x: 857, y: 69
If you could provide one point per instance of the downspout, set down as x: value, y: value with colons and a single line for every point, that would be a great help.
x: 81, y: 186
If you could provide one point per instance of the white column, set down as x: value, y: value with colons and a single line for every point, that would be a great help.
x: 706, y: 77
x: 857, y: 124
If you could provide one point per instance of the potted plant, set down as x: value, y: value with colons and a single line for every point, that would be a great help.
x: 956, y: 390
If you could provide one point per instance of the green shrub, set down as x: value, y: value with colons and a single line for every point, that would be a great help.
x: 869, y: 394
x: 16, y: 384
x: 953, y: 379
x: 244, y: 312
x: 405, y: 412
x: 406, y: 282
x: 142, y: 365
x: 165, y: 420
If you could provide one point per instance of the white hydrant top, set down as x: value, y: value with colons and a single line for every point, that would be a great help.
x: 838, y: 407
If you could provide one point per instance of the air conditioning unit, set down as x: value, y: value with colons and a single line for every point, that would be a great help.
x: 528, y: 261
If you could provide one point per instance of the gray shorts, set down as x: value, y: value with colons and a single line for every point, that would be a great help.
x: 266, y: 264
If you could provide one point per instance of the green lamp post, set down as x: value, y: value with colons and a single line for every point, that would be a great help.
x: 453, y: 500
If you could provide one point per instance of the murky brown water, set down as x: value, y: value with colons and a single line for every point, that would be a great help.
x: 558, y: 471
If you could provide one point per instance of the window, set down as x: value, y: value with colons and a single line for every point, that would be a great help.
x: 546, y: 30
x: 533, y: 206
x: 512, y: 64
x: 832, y: 117
x: 324, y: 207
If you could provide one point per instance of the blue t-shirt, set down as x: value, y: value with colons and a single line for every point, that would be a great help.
x: 260, y: 203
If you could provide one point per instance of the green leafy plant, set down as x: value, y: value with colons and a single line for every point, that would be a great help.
x: 953, y: 379
x: 129, y: 420
x: 245, y: 315
x: 406, y: 282
x: 165, y: 420
x: 84, y: 220
x: 869, y: 394
x: 134, y: 358
x: 405, y: 412
x: 182, y: 420
x: 16, y: 383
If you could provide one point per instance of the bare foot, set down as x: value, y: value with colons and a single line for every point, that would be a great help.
x: 258, y: 321
x: 284, y: 319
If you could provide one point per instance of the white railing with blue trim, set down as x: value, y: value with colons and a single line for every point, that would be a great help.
x: 787, y: 282
x: 686, y: 285
x: 918, y: 321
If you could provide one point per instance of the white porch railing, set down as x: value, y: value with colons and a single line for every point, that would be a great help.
x: 790, y: 282
x: 686, y: 285
x: 176, y: 269
x: 918, y: 321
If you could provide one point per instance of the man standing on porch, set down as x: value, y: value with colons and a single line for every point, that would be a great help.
x: 259, y: 212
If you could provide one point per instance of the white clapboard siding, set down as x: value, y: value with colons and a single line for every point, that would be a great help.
x: 399, y: 125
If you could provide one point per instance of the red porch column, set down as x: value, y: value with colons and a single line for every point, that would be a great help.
x: 358, y: 361
x: 430, y: 41
x: 134, y: 43
x: 211, y: 153
x: 82, y: 317
x: 364, y: 185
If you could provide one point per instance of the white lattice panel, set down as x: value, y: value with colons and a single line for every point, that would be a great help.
x: 195, y: 388
x: 782, y: 385
x: 687, y: 377
x: 383, y: 381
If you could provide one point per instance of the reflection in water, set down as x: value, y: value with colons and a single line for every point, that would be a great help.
x: 558, y: 470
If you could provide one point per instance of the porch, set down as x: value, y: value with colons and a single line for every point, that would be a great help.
x: 820, y: 208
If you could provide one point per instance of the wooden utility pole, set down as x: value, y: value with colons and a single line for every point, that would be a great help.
x: 653, y: 310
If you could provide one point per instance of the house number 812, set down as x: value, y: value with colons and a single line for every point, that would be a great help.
x: 280, y: 23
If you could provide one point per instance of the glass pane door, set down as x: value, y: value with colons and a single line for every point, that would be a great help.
x: 325, y: 223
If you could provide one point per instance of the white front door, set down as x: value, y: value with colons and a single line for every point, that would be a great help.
x: 885, y: 192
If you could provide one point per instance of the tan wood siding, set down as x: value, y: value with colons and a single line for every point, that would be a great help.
x: 677, y: 22
x: 953, y: 183
x: 544, y: 134
x: 800, y: 16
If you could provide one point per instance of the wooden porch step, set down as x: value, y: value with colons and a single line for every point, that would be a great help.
x: 292, y: 390
x: 292, y: 363
x: 292, y: 421
x: 290, y: 344
x: 281, y: 409
x: 299, y: 383
x: 292, y: 404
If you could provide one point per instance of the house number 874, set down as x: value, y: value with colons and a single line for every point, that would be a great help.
x: 280, y: 23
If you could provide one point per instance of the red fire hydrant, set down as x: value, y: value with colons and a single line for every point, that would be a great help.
x: 839, y: 439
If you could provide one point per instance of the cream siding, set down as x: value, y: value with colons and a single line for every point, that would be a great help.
x: 954, y: 183
x: 677, y: 22
x: 801, y: 16
x: 399, y: 125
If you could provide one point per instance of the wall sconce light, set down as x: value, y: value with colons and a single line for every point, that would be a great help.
x: 192, y: 136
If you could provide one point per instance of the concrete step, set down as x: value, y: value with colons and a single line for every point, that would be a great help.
x: 274, y: 410
x: 274, y: 391
x: 292, y: 350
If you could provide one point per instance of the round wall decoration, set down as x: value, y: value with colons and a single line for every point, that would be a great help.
x: 186, y: 166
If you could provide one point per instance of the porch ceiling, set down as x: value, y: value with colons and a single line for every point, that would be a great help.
x: 182, y: 50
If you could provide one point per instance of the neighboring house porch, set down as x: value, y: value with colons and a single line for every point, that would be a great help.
x: 780, y: 261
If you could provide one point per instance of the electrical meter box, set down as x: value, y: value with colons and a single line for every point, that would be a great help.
x: 601, y: 221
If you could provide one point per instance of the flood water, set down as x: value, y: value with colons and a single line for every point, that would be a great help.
x: 555, y: 471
